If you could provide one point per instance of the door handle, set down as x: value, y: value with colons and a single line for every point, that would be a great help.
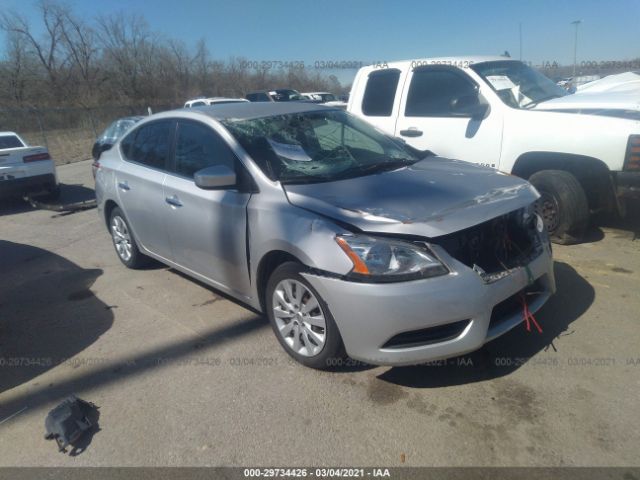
x: 411, y: 132
x: 123, y: 186
x: 173, y: 201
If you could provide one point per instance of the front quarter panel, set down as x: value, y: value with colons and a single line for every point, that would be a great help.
x: 276, y: 225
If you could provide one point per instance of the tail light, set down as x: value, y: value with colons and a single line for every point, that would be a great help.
x: 36, y: 157
x: 632, y: 159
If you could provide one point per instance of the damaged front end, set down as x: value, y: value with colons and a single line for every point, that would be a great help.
x: 495, y: 248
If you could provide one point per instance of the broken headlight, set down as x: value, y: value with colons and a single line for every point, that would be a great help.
x: 387, y: 260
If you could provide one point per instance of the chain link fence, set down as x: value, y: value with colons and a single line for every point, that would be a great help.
x: 68, y: 133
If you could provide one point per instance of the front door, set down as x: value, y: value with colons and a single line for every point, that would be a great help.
x: 431, y: 117
x: 207, y: 228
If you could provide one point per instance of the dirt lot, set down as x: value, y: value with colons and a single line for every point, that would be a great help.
x: 184, y: 376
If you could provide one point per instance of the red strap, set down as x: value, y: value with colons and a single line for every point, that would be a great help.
x: 528, y: 316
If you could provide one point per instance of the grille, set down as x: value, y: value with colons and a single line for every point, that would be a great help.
x: 512, y: 306
x: 491, y: 247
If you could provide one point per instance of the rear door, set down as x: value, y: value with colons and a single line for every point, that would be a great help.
x: 146, y: 152
x: 380, y: 99
x: 428, y: 119
x: 207, y: 228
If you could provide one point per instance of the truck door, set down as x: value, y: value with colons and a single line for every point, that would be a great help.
x: 380, y: 98
x: 436, y: 113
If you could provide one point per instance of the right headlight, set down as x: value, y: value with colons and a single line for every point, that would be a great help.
x: 387, y: 260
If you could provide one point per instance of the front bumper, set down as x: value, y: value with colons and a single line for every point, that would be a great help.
x: 368, y: 315
x: 22, y: 185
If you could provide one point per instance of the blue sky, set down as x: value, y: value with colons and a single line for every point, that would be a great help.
x: 385, y: 30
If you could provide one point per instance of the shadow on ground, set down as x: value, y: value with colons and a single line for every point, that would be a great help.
x: 507, y: 353
x: 629, y: 226
x: 69, y: 194
x: 47, y: 312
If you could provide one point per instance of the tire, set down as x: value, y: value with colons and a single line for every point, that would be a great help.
x: 563, y: 205
x: 323, y: 355
x: 124, y: 241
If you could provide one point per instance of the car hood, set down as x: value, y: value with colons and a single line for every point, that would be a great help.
x: 593, y: 101
x: 621, y: 82
x: 432, y: 197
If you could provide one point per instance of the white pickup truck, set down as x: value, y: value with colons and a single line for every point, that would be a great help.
x: 25, y: 169
x: 581, y: 151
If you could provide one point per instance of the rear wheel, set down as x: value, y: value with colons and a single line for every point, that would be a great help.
x: 301, y: 319
x: 562, y: 205
x: 124, y: 242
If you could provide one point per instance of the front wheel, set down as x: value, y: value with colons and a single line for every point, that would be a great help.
x: 562, y: 205
x: 301, y: 319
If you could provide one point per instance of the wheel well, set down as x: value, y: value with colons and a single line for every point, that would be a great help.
x: 268, y: 264
x: 591, y: 173
x: 108, y: 208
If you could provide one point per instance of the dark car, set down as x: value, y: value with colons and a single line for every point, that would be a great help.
x: 277, y: 95
x: 112, y: 134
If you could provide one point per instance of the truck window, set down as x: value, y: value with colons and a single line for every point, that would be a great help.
x: 433, y: 91
x: 10, y: 141
x: 380, y: 92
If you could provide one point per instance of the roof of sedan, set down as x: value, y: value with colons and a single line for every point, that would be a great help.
x: 250, y: 110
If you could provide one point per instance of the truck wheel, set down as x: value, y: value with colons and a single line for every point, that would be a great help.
x: 562, y: 205
x: 301, y: 319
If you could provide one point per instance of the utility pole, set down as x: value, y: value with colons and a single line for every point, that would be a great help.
x: 575, y: 46
x: 520, y: 41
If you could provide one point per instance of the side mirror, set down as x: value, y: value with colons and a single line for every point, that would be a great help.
x: 218, y: 176
x: 470, y: 105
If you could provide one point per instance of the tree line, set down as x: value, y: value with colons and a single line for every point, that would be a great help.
x: 118, y: 59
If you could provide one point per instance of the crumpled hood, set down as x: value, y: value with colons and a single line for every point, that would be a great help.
x: 433, y: 197
x: 621, y: 82
x: 588, y: 101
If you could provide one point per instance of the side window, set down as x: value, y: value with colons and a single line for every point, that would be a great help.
x: 434, y: 93
x: 150, y: 146
x: 126, y: 143
x: 198, y: 147
x: 380, y: 92
x: 198, y: 104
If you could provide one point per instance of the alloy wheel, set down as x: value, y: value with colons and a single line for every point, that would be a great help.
x: 299, y: 318
x: 121, y: 238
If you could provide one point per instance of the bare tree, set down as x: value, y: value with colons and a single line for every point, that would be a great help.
x: 80, y: 42
x: 48, y: 50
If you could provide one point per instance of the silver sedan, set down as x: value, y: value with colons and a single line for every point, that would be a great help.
x: 350, y: 242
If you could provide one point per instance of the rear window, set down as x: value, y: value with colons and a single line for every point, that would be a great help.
x: 380, y: 93
x: 10, y: 141
x: 149, y: 144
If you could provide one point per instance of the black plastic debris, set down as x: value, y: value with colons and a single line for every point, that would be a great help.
x: 69, y: 421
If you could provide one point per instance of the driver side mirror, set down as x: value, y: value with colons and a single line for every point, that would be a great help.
x: 216, y: 177
x: 471, y: 106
